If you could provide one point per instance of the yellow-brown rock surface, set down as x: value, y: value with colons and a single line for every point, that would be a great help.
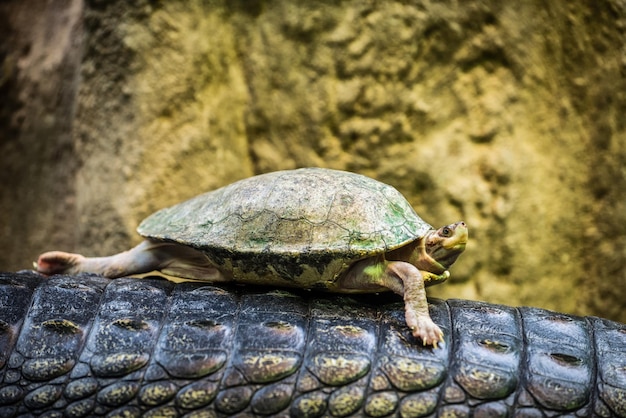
x: 510, y: 116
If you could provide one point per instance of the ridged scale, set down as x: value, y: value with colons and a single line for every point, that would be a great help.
x: 88, y: 346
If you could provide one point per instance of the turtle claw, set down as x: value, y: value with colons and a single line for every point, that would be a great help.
x: 427, y: 331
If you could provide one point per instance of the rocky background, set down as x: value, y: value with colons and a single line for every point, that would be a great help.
x: 508, y: 115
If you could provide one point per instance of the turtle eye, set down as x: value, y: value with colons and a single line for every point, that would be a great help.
x: 445, y: 232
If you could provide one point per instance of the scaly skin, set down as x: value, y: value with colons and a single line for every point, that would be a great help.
x: 89, y: 346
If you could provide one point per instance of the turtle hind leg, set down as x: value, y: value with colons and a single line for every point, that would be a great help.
x: 59, y: 262
x: 188, y: 263
x: 143, y: 258
x: 151, y: 255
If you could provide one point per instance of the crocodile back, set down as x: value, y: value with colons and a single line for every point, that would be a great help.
x: 88, y: 346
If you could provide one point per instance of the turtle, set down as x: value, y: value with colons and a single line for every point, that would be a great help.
x: 312, y: 228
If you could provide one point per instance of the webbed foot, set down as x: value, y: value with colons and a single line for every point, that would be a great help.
x: 58, y: 262
x: 424, y: 328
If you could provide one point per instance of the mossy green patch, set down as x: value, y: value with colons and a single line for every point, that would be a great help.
x: 375, y: 271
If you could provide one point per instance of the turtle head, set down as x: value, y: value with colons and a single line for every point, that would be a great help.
x: 440, y: 248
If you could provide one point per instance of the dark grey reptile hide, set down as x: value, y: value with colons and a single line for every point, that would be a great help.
x: 87, y: 346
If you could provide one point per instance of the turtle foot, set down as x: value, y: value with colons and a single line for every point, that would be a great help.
x: 58, y: 262
x: 425, y: 329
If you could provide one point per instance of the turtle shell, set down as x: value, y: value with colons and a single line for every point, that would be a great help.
x: 306, y: 225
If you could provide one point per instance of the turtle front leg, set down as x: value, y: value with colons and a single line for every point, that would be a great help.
x: 406, y: 280
x: 415, y: 302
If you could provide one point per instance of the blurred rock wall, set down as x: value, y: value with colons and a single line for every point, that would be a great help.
x: 508, y: 115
